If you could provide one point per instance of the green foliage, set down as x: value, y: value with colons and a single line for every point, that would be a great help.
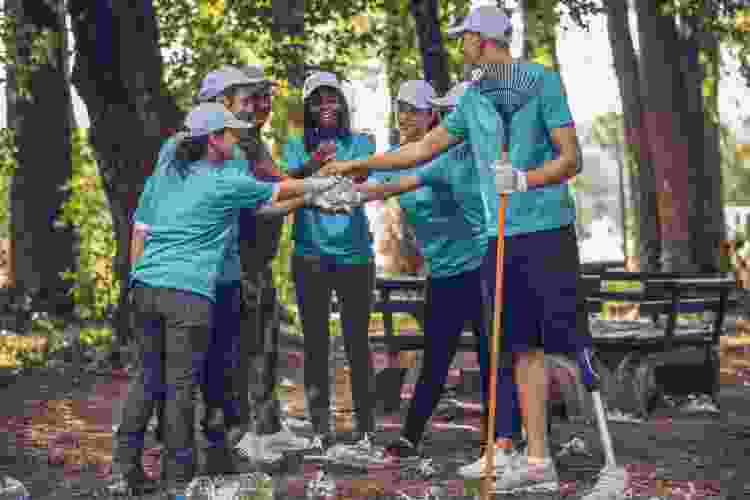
x: 735, y: 170
x: 98, y: 337
x: 7, y: 169
x: 95, y: 288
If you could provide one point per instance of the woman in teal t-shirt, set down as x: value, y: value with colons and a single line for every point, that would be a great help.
x: 443, y: 201
x: 332, y: 252
x: 190, y: 210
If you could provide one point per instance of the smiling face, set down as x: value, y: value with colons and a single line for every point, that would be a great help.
x: 325, y: 105
x: 472, y: 44
x: 413, y: 123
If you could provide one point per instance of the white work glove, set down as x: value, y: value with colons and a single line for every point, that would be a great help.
x: 340, y: 198
x: 508, y: 179
x: 317, y: 184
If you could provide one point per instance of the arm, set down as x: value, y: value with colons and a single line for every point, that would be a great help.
x: 410, y: 155
x: 137, y: 242
x: 281, y: 208
x: 561, y: 168
x: 559, y: 121
x: 376, y: 191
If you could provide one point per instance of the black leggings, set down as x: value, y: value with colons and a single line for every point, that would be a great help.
x: 314, y: 279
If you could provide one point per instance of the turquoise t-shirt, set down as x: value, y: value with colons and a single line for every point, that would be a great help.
x: 191, y: 221
x: 447, y: 212
x: 530, y: 145
x: 230, y: 269
x: 345, y: 237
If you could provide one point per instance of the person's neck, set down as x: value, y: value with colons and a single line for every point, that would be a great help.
x: 214, y: 157
x: 496, y: 57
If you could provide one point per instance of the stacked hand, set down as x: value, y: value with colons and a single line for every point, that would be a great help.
x: 340, y: 167
x: 341, y: 196
x: 508, y: 179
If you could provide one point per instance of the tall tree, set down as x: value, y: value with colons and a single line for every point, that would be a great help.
x: 676, y: 127
x: 639, y: 158
x: 118, y: 73
x: 434, y: 57
x: 40, y: 114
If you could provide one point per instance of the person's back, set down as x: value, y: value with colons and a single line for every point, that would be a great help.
x: 191, y: 223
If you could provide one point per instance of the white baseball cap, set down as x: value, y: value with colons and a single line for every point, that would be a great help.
x: 219, y: 80
x: 317, y: 80
x: 418, y: 93
x: 450, y: 99
x: 210, y: 117
x: 489, y: 21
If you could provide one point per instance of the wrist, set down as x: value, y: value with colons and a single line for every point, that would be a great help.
x: 523, y: 181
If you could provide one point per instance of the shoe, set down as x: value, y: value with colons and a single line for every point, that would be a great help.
x: 252, y: 447
x: 522, y: 477
x: 610, y: 485
x: 361, y: 453
x: 403, y: 450
x: 132, y: 484
x: 477, y: 469
x: 285, y: 440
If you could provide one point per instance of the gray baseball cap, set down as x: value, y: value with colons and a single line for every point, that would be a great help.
x: 317, y: 80
x: 450, y: 99
x: 219, y: 80
x: 489, y: 21
x: 210, y: 117
x: 417, y: 93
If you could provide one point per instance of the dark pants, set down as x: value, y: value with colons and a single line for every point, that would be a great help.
x: 172, y: 327
x: 508, y: 408
x: 314, y: 280
x: 259, y: 343
x: 222, y: 359
x: 450, y: 303
x: 542, y: 308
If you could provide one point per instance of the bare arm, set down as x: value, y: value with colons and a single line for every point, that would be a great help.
x: 137, y: 243
x: 564, y: 166
x: 384, y: 191
x: 434, y: 143
x: 281, y: 208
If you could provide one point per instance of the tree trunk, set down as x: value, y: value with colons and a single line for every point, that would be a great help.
x: 707, y: 228
x: 639, y: 156
x: 434, y: 58
x: 118, y: 73
x: 668, y: 128
x: 39, y: 112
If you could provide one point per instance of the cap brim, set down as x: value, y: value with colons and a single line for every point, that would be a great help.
x: 456, y: 32
x: 443, y: 102
x: 322, y: 84
x: 238, y: 124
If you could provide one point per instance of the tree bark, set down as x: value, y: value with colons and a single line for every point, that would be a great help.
x: 640, y: 160
x: 668, y: 128
x: 118, y: 73
x: 40, y: 114
x: 707, y: 228
x: 434, y: 57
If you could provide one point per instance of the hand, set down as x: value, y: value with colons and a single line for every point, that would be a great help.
x: 348, y: 168
x: 326, y: 152
x: 317, y: 183
x: 508, y: 179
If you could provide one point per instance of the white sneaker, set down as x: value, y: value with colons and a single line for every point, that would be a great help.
x: 253, y: 447
x: 476, y: 470
x: 285, y: 440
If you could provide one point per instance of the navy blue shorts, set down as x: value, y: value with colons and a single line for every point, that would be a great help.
x: 542, y: 302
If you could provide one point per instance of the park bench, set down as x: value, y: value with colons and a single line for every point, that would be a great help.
x: 662, y: 297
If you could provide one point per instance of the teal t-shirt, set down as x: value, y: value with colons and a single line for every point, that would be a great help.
x: 230, y: 269
x: 191, y: 222
x: 345, y: 237
x: 447, y: 212
x: 530, y: 144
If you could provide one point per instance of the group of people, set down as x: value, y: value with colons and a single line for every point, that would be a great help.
x: 208, y: 223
